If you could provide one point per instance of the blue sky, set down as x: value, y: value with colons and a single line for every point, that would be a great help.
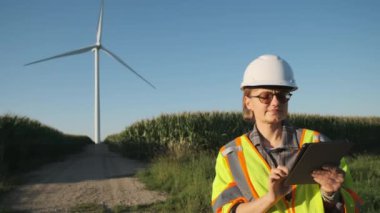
x: 194, y: 52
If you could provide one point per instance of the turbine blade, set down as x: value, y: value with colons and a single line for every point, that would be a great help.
x: 74, y: 52
x: 126, y: 65
x: 100, y: 22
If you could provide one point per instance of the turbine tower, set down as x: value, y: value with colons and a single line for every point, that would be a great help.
x: 96, y: 48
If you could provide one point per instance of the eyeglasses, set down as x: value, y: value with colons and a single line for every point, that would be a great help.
x: 266, y: 97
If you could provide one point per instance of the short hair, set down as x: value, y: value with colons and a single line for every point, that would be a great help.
x: 247, y: 114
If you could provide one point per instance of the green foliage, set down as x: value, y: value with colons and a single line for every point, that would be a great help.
x: 182, y: 150
x: 180, y: 133
x: 362, y: 131
x: 187, y: 180
x: 26, y: 143
x: 365, y: 170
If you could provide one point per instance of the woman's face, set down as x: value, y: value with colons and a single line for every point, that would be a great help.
x: 269, y: 106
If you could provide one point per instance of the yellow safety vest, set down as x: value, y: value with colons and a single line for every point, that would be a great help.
x: 238, y: 181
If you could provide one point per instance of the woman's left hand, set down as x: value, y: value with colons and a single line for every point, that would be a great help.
x: 330, y: 178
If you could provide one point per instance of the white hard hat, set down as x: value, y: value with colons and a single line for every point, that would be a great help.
x: 269, y: 70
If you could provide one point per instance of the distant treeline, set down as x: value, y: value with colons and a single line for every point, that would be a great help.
x: 26, y: 143
x: 200, y: 131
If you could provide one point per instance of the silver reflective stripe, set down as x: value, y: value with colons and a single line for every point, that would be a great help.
x: 323, y: 138
x: 230, y: 149
x: 299, y: 136
x: 226, y: 196
x: 237, y: 171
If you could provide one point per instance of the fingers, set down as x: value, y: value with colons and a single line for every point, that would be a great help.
x: 330, y: 178
x: 330, y: 172
x: 276, y: 178
x: 327, y: 180
x: 321, y: 174
x: 278, y: 173
x: 283, y: 169
x: 333, y: 169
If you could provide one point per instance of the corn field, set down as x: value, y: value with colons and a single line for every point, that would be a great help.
x: 183, y: 148
x: 26, y: 143
x: 192, y: 139
x: 186, y: 132
x: 177, y: 133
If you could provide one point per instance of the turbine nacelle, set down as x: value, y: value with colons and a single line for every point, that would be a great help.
x: 96, y: 47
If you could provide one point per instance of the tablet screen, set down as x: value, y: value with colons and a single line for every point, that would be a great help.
x: 313, y: 156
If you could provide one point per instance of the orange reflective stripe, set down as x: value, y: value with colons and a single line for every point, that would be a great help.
x: 357, y: 200
x: 258, y: 153
x: 316, y: 137
x: 219, y: 210
x: 294, y: 187
x: 245, y: 171
x: 237, y: 200
x: 290, y: 207
x: 286, y: 205
x: 355, y: 196
x: 264, y: 162
x: 302, y: 138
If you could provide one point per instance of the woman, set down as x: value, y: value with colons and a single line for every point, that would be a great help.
x: 250, y: 170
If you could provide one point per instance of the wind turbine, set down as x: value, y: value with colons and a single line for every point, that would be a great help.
x: 96, y: 48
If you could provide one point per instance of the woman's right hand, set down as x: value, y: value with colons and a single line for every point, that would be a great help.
x: 277, y: 189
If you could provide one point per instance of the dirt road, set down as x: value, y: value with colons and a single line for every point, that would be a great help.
x: 93, y: 176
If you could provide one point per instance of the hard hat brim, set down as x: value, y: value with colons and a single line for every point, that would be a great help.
x: 271, y: 86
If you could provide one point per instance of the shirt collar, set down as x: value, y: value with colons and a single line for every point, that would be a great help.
x: 288, y: 135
